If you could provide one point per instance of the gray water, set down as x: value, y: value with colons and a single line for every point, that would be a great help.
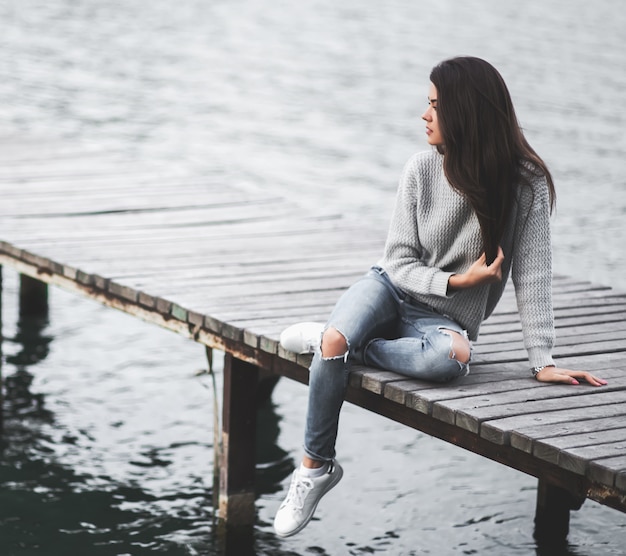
x: 108, y: 427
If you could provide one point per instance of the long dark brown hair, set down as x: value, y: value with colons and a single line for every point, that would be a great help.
x: 486, y: 156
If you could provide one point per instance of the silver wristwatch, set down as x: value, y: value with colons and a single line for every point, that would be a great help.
x: 536, y: 370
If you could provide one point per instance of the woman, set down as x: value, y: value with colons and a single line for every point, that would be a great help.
x: 468, y: 214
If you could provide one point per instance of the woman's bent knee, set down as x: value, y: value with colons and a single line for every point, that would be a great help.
x: 334, y: 343
x: 454, y: 354
x: 460, y: 348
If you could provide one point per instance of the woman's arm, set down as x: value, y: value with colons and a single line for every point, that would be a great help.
x: 403, y: 252
x: 480, y: 273
x: 531, y: 271
x: 532, y: 277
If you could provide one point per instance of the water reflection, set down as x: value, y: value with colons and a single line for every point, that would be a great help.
x: 33, y: 347
x: 559, y: 549
x: 48, y: 505
x: 44, y: 505
x: 273, y: 465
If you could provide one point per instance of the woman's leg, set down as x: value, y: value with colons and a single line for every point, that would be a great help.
x: 367, y: 310
x: 429, y: 347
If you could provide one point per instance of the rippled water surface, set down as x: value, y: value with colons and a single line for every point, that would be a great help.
x: 108, y: 441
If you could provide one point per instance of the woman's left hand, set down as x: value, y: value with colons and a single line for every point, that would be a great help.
x: 567, y: 376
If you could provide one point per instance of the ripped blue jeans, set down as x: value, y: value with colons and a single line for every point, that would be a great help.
x: 383, y: 328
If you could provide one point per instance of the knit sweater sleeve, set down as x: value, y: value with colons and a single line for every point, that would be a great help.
x: 404, y: 256
x: 532, y: 272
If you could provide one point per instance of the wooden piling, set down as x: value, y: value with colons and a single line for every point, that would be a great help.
x: 33, y: 297
x: 1, y: 357
x: 553, y: 513
x: 237, y: 465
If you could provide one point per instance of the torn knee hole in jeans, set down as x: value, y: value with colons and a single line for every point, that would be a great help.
x: 460, y: 348
x: 338, y: 341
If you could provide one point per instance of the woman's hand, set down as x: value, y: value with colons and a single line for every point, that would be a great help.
x: 479, y: 273
x: 567, y: 376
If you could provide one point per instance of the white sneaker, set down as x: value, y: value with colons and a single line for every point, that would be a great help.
x: 304, y: 337
x: 302, y: 499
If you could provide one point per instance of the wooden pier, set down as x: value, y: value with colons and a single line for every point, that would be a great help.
x: 230, y: 267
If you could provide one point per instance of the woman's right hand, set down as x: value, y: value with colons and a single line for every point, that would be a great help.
x: 479, y: 273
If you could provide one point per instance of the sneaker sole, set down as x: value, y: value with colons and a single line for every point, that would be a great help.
x: 336, y: 478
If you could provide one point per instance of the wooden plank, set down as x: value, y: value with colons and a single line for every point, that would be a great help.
x: 98, y: 219
x: 220, y: 235
x: 564, y: 423
x: 481, y: 390
x: 507, y: 307
x: 611, y: 346
x: 615, y: 335
x: 235, y: 266
x: 491, y: 343
x: 551, y: 448
x: 472, y: 418
x: 482, y: 380
x: 487, y: 333
x: 608, y: 471
x: 578, y: 460
x: 199, y: 245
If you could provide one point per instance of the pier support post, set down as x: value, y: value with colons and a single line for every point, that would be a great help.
x: 553, y: 512
x: 1, y: 357
x: 33, y: 297
x: 237, y: 465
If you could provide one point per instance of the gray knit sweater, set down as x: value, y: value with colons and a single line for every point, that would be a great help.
x: 434, y: 233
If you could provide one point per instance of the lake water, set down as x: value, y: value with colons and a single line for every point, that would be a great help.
x: 108, y: 440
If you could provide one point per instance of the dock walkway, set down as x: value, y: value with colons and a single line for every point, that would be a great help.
x: 230, y: 267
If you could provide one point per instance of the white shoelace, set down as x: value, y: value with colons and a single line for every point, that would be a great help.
x: 298, y: 490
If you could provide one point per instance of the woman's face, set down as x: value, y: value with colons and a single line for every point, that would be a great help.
x: 433, y: 134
